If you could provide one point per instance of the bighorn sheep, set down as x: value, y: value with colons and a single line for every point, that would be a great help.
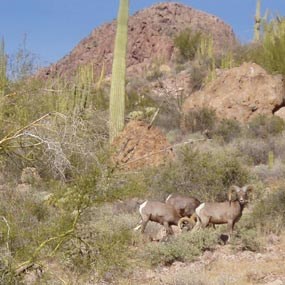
x: 184, y: 205
x: 228, y: 212
x: 163, y: 214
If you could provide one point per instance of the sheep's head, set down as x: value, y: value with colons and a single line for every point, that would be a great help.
x: 241, y: 193
x: 186, y: 224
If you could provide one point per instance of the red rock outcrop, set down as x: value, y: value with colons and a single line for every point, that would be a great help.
x: 139, y: 146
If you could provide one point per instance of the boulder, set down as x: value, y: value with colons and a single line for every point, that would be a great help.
x: 280, y: 113
x: 140, y: 145
x: 240, y: 93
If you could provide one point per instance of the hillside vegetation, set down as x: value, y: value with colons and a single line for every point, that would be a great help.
x: 67, y: 210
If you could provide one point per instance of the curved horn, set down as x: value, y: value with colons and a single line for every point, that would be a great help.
x: 190, y: 222
x: 248, y: 188
x: 231, y: 190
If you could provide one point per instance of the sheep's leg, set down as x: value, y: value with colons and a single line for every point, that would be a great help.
x: 205, y: 222
x: 197, y: 226
x: 230, y: 229
x: 144, y: 223
x: 169, y: 230
x: 138, y: 226
x: 201, y: 224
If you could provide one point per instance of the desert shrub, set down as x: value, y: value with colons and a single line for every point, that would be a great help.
x: 246, y: 239
x: 22, y: 64
x: 198, y: 74
x: 101, y: 243
x: 228, y: 130
x: 123, y: 186
x: 270, y: 53
x: 185, y: 247
x: 200, y: 120
x: 205, y: 175
x: 265, y: 172
x: 104, y: 250
x: 255, y: 150
x: 7, y: 274
x: 154, y: 74
x: 269, y: 213
x: 263, y: 126
x: 187, y: 43
x: 136, y: 101
x: 169, y: 116
x: 278, y: 147
x: 186, y: 277
x: 58, y: 146
x: 30, y: 222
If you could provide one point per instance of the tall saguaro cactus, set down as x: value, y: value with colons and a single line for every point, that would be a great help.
x: 257, y: 22
x: 117, y: 95
x: 3, y: 63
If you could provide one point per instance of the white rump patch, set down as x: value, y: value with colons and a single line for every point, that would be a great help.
x: 142, y: 206
x: 168, y: 198
x: 137, y: 228
x: 199, y: 208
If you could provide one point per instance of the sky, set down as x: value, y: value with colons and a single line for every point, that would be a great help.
x: 52, y: 28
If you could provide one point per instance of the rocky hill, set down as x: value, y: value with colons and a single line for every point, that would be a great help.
x: 151, y: 32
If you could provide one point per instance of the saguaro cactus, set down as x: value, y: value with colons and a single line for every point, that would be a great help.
x: 3, y: 63
x: 257, y: 21
x: 117, y: 95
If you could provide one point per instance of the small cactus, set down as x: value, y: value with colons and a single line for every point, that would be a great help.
x: 270, y: 159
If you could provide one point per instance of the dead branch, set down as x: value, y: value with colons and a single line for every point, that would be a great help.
x: 19, y: 132
x: 153, y: 118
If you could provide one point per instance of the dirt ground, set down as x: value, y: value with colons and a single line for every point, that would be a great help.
x: 223, y: 266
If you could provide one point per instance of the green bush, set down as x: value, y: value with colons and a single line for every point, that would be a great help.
x: 228, y: 130
x: 124, y: 187
x: 198, y: 74
x: 204, y: 175
x: 169, y: 116
x: 263, y: 126
x: 269, y: 213
x: 187, y: 43
x: 256, y: 150
x: 246, y: 239
x: 104, y: 250
x: 200, y: 120
x: 7, y: 274
x: 271, y: 54
x: 266, y: 172
x: 185, y: 247
x: 102, y: 243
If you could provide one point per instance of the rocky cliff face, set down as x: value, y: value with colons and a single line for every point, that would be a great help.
x: 151, y: 32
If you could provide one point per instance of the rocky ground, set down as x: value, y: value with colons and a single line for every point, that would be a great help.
x: 224, y: 266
